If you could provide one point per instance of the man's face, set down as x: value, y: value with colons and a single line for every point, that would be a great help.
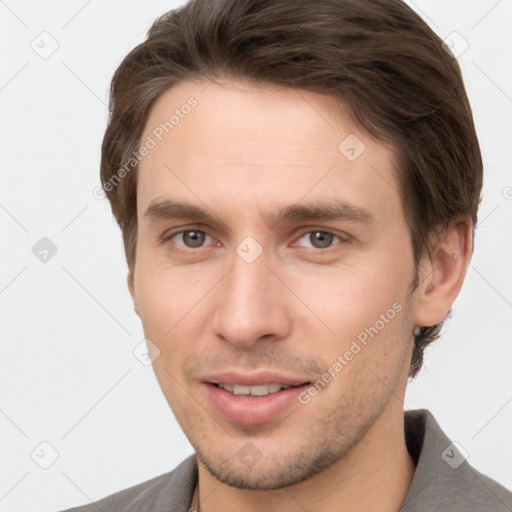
x: 286, y: 261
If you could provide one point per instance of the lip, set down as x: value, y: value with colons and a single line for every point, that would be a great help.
x: 253, y: 379
x: 252, y: 410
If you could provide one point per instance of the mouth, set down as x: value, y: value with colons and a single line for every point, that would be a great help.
x: 258, y: 390
x: 253, y: 400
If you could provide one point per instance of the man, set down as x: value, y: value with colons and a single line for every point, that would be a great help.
x: 297, y: 185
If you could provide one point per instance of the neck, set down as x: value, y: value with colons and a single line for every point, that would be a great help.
x: 375, y: 475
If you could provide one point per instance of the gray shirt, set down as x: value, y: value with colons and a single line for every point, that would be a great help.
x: 443, y: 480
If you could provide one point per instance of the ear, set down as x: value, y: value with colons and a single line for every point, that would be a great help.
x: 442, y: 274
x: 130, y: 279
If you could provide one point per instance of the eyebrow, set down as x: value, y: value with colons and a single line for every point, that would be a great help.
x: 326, y: 210
x: 169, y: 209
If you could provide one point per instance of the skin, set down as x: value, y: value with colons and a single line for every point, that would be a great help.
x: 245, y: 152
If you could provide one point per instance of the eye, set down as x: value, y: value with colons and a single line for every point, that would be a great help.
x: 191, y: 239
x: 318, y: 240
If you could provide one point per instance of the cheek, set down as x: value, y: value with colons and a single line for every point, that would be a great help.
x: 349, y: 299
x: 362, y: 313
x: 175, y: 307
x: 169, y: 296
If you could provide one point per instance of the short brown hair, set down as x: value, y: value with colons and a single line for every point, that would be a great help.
x: 400, y: 84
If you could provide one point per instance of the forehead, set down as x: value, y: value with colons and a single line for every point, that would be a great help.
x: 260, y: 146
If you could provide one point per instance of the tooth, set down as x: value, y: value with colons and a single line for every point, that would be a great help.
x: 258, y: 390
x: 261, y: 390
x: 241, y: 390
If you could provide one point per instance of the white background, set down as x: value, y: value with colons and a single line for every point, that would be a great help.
x: 68, y: 329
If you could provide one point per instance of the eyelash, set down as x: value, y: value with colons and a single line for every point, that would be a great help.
x: 167, y: 237
x: 341, y: 239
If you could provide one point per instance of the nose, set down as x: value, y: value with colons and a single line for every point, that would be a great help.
x: 251, y: 305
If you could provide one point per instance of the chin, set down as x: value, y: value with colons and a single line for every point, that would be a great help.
x: 269, y: 473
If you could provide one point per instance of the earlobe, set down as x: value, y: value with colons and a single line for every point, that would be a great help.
x: 131, y: 287
x: 442, y: 273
